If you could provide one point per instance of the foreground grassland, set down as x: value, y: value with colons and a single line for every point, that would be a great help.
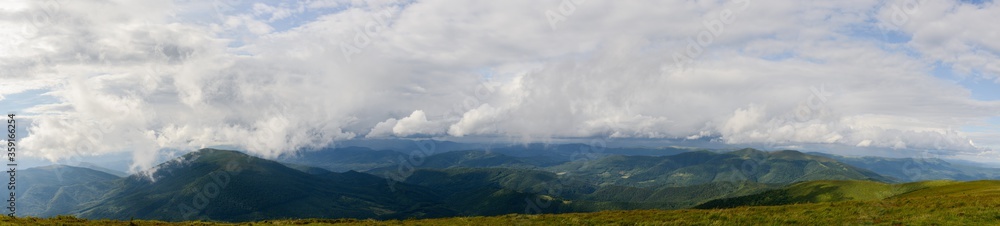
x: 965, y: 203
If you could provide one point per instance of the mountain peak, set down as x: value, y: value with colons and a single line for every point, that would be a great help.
x: 218, y: 153
x: 54, y: 167
x: 217, y: 156
x: 748, y: 152
x: 797, y: 155
x: 203, y: 161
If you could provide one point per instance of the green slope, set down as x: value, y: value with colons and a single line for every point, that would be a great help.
x: 57, y: 189
x: 964, y: 189
x: 826, y: 191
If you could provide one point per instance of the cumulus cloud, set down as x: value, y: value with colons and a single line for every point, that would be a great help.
x: 382, y: 129
x: 414, y: 125
x: 140, y: 77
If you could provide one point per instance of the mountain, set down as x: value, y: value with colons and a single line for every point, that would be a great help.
x: 918, y: 169
x: 494, y: 191
x: 307, y: 169
x: 345, y: 159
x: 57, y: 189
x: 220, y: 185
x: 483, y: 159
x: 212, y: 184
x: 102, y: 169
x: 701, y: 167
x: 686, y: 169
x: 230, y: 186
x: 375, y: 154
x: 521, y: 180
x: 956, y: 203
x: 572, y: 152
x: 576, y: 195
x: 466, y: 159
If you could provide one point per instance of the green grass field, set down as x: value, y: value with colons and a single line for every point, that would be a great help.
x: 928, y: 203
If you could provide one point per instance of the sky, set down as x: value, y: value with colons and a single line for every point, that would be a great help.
x: 157, y: 78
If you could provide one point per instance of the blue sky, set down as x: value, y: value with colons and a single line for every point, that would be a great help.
x: 981, y: 89
x: 20, y: 101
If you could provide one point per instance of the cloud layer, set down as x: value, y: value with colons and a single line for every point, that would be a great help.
x: 140, y: 77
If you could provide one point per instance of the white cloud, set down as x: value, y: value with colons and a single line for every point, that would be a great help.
x: 382, y: 129
x: 476, y: 121
x: 960, y: 34
x: 416, y: 124
x: 276, y: 13
x: 138, y: 76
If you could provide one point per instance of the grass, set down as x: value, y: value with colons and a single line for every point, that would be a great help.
x: 859, y: 190
x: 940, y: 203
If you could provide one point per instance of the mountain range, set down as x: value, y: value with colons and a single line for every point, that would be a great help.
x: 231, y: 186
x: 361, y: 182
x: 918, y: 169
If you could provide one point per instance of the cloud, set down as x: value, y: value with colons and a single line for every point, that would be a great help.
x: 142, y: 77
x: 382, y: 129
x: 956, y: 33
x: 276, y: 13
x: 414, y: 125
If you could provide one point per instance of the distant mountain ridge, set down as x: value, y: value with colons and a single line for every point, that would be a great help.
x: 102, y: 169
x: 917, y: 169
x: 345, y: 159
x: 372, y: 156
x: 692, y: 168
x: 58, y: 189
